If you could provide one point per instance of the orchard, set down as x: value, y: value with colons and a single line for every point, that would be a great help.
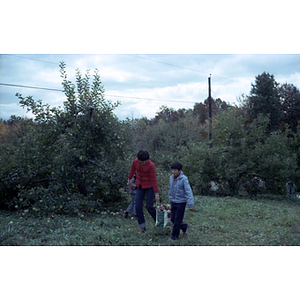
x: 73, y: 160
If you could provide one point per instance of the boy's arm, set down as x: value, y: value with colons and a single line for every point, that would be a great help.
x: 169, y: 194
x: 131, y: 173
x: 133, y: 185
x: 189, y: 194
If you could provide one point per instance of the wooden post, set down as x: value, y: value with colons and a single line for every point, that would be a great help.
x: 209, y: 111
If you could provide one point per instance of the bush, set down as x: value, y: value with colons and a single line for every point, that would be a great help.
x: 244, y: 157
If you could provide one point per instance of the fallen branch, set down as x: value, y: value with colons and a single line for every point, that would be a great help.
x: 42, y: 180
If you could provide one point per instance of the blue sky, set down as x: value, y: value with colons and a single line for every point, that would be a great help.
x: 142, y: 82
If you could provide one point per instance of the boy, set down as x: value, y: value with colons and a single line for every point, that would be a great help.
x: 180, y: 193
x: 132, y: 193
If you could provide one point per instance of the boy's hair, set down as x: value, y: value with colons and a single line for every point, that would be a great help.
x: 176, y: 165
x: 143, y: 155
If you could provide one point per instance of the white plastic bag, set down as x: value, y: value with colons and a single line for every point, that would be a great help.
x: 163, y: 218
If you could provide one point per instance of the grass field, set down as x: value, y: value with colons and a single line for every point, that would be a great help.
x: 268, y: 221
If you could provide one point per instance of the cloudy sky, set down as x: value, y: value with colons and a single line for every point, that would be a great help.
x: 147, y: 55
x: 142, y: 82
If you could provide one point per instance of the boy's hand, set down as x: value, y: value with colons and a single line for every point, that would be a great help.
x: 191, y: 208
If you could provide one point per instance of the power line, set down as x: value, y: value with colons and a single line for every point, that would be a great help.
x: 45, y: 61
x: 167, y: 63
x: 31, y: 87
x: 49, y: 62
x: 117, y: 96
x: 15, y: 55
x: 177, y: 66
x: 168, y: 100
x: 141, y: 57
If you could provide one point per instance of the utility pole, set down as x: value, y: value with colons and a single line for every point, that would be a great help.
x: 209, y: 111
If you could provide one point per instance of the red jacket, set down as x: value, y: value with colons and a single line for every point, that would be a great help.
x: 145, y: 175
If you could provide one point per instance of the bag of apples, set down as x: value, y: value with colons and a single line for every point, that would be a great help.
x: 163, y: 215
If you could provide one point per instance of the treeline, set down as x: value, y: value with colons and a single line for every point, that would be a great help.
x: 254, y: 145
x: 73, y: 159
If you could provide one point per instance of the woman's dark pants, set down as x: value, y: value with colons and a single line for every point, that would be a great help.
x: 140, y: 194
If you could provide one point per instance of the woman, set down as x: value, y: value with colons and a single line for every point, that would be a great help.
x: 146, y: 183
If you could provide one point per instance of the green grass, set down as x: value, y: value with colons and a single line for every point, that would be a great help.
x: 215, y: 222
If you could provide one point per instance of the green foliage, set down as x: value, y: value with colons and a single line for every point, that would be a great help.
x: 68, y: 157
x: 163, y: 177
x: 243, y: 158
x: 246, y: 157
x: 199, y: 167
x: 169, y: 141
x: 169, y: 115
x: 201, y: 110
x: 290, y: 103
x: 264, y: 99
x: 74, y: 159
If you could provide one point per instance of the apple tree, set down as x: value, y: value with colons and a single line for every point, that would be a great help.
x: 73, y: 157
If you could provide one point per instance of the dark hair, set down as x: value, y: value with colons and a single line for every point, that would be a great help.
x: 143, y: 155
x: 176, y: 165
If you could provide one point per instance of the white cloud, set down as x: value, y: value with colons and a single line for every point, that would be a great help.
x: 7, y: 110
x: 51, y: 78
x: 292, y: 78
x: 109, y: 73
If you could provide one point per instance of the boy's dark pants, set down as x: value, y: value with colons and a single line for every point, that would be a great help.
x: 140, y: 194
x: 177, y: 214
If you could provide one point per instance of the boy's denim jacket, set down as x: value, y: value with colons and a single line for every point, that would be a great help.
x: 180, y: 190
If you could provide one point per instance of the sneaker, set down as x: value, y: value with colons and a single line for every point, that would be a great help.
x: 185, y: 233
x: 174, y: 238
x: 142, y: 230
